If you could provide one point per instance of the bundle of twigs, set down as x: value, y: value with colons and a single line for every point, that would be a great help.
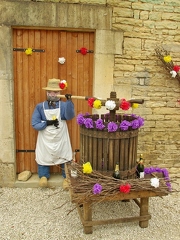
x: 161, y: 53
x: 84, y: 183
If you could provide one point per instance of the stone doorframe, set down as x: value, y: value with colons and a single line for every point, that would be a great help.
x: 77, y: 17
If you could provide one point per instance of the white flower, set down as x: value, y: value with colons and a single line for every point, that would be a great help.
x: 154, y: 182
x: 110, y: 104
x: 61, y: 60
x: 174, y: 73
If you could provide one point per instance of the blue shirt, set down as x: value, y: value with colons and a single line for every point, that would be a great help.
x: 39, y: 119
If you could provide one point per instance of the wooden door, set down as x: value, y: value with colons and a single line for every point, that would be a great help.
x: 31, y: 73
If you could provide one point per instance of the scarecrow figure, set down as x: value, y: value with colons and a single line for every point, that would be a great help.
x: 53, y: 145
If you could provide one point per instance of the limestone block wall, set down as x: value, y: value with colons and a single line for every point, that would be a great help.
x: 127, y: 33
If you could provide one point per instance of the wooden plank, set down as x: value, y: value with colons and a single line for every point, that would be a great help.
x: 117, y: 220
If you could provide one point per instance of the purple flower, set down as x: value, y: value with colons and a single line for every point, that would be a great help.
x: 112, y: 127
x: 141, y: 121
x: 124, y: 125
x: 135, y: 124
x: 99, y: 124
x: 88, y: 122
x: 80, y: 119
x: 97, y: 188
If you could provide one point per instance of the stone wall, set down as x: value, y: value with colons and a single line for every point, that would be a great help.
x: 127, y: 33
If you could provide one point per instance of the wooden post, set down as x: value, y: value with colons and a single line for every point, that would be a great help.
x: 87, y: 211
x: 144, y: 205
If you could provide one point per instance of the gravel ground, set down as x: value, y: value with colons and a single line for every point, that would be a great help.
x: 44, y: 214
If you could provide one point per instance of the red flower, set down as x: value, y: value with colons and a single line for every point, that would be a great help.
x: 90, y: 102
x: 62, y: 85
x: 125, y: 188
x: 83, y: 51
x: 176, y: 68
x: 124, y: 105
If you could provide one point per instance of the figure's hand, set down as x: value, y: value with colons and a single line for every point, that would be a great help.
x: 68, y: 96
x: 53, y: 122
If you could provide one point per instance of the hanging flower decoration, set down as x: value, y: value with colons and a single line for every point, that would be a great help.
x: 154, y: 182
x: 83, y: 51
x: 28, y: 51
x: 166, y: 59
x: 164, y: 171
x: 86, y: 121
x: 135, y: 105
x: 110, y: 105
x: 125, y: 188
x: 97, y: 188
x: 99, y: 124
x: 63, y: 84
x: 97, y: 104
x: 61, y: 60
x: 90, y: 102
x: 112, y: 127
x: 87, y: 168
x: 124, y: 105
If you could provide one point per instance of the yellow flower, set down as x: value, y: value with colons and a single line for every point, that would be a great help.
x: 54, y: 118
x: 87, y: 167
x: 167, y: 59
x: 135, y: 105
x: 28, y: 51
x: 97, y: 104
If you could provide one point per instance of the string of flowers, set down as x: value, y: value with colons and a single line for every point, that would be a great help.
x: 168, y: 64
x: 86, y: 120
x: 110, y: 104
x: 164, y: 171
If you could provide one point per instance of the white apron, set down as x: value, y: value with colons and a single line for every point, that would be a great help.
x: 53, y: 144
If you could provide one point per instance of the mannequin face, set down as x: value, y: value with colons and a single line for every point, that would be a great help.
x: 52, y: 96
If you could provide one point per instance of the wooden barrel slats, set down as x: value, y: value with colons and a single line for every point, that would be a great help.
x: 104, y: 149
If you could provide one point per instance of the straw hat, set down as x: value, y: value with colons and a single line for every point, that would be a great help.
x: 55, y: 85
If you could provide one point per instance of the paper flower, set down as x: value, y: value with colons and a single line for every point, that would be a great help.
x: 97, y: 188
x: 99, y: 124
x: 80, y: 119
x: 61, y: 60
x: 124, y: 105
x: 97, y: 104
x: 28, y: 51
x: 176, y: 68
x: 83, y: 51
x: 135, y: 105
x: 167, y: 58
x: 91, y: 101
x: 110, y: 105
x: 112, y: 127
x: 124, y: 125
x: 88, y: 122
x: 125, y: 188
x: 63, y: 84
x: 154, y: 182
x: 87, y: 167
x: 173, y: 73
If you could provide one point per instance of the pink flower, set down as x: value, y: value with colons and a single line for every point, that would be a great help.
x: 125, y: 188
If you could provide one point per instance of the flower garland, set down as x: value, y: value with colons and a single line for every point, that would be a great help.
x: 86, y: 121
x: 164, y: 171
x: 110, y: 104
x: 169, y: 65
